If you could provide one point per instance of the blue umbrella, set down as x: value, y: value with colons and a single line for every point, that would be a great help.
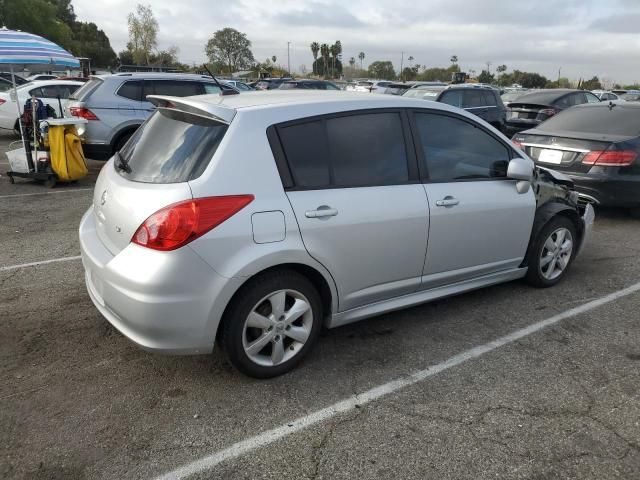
x: 19, y: 49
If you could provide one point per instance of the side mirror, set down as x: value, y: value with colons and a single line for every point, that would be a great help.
x: 521, y: 169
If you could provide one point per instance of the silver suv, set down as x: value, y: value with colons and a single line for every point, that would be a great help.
x: 116, y: 105
x: 256, y: 219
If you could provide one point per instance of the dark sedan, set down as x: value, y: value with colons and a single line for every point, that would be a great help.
x: 307, y: 84
x: 598, y: 146
x: 535, y: 107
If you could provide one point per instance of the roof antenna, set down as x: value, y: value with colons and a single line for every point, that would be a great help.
x: 223, y: 92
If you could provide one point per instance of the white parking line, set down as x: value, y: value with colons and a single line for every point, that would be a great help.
x: 266, y: 438
x: 42, y: 262
x: 45, y: 193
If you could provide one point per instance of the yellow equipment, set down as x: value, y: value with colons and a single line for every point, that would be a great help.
x: 67, y: 157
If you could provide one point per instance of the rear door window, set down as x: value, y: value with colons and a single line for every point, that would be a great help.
x: 473, y: 99
x: 347, y: 151
x: 453, y: 98
x: 489, y: 99
x: 171, y: 147
x: 367, y: 150
x: 456, y: 150
x: 131, y: 90
x: 172, y: 88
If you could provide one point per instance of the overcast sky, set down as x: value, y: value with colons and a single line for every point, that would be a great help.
x: 583, y: 37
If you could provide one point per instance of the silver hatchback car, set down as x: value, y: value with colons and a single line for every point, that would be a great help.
x: 254, y: 220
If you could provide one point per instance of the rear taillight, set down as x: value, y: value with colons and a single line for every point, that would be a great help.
x: 178, y: 224
x: 83, y: 113
x: 2, y: 101
x: 610, y: 158
x: 547, y: 112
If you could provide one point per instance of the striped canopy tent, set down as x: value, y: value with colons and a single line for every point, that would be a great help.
x: 20, y: 49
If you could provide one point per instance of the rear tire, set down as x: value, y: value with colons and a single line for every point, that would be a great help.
x: 121, y: 141
x: 271, y: 324
x: 552, y: 252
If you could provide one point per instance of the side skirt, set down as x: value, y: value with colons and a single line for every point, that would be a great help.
x: 360, y: 313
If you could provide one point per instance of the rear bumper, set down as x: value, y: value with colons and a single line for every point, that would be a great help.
x: 163, y: 301
x: 612, y: 191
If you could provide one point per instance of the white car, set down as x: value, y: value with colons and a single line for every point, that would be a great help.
x: 47, y: 91
x: 41, y: 76
x: 373, y: 86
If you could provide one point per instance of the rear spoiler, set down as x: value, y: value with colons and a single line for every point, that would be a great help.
x: 215, y: 112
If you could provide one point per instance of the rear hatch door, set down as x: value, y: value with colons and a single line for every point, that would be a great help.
x: 152, y: 171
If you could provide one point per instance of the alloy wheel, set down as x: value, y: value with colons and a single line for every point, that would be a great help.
x: 277, y: 328
x: 556, y: 253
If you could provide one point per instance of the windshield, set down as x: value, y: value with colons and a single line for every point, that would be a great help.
x: 423, y: 93
x: 171, y: 147
x: 600, y: 119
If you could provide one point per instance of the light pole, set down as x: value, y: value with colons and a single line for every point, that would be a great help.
x: 288, y: 59
x: 401, y: 66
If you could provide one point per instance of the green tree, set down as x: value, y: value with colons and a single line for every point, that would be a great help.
x: 91, y: 42
x: 382, y: 70
x: 501, y: 69
x: 454, y: 59
x: 593, y: 84
x: 315, y: 48
x: 361, y: 58
x: 143, y: 33
x: 231, y: 47
x: 438, y: 74
x: 324, y: 53
x: 409, y: 73
x: 274, y: 58
x: 38, y: 17
x: 486, y: 77
x: 324, y: 68
x: 352, y: 62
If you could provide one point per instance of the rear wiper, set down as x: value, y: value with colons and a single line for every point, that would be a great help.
x: 121, y: 163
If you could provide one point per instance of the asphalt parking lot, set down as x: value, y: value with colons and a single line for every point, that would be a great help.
x: 79, y: 401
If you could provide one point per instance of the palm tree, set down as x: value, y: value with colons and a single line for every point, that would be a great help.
x: 338, y: 49
x: 324, y: 52
x: 352, y: 62
x: 333, y: 49
x: 454, y: 59
x: 410, y: 61
x: 315, y: 48
x: 273, y: 59
x: 361, y: 57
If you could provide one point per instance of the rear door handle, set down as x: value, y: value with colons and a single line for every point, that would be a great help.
x: 321, y: 212
x: 447, y: 201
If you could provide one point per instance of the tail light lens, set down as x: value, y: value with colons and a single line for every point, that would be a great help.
x: 2, y: 101
x: 547, y: 112
x: 610, y: 158
x: 83, y: 113
x: 178, y: 224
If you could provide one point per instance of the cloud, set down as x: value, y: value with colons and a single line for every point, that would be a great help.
x: 319, y: 15
x: 620, y: 23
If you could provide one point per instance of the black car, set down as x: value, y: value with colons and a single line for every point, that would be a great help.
x: 269, y: 83
x: 535, y: 107
x: 307, y: 84
x: 598, y: 146
x: 481, y: 100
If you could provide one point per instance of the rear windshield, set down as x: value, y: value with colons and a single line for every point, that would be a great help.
x: 619, y: 120
x: 85, y: 90
x: 543, y: 97
x: 171, y: 147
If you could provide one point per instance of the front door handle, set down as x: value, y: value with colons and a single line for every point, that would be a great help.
x: 321, y: 212
x: 447, y: 201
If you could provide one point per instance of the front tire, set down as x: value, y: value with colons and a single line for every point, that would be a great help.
x: 552, y: 252
x: 271, y: 324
